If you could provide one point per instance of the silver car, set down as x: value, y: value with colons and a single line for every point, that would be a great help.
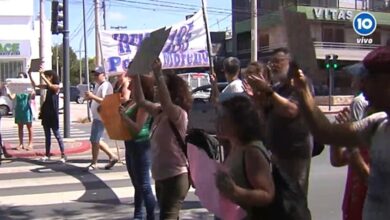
x: 203, y: 112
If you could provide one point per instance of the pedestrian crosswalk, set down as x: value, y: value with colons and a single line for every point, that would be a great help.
x: 10, y: 133
x: 71, y: 192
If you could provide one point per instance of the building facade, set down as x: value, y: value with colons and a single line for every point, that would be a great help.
x: 19, y: 38
x: 331, y: 29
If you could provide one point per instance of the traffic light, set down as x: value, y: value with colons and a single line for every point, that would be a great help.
x: 334, y: 61
x: 57, y: 17
x: 327, y: 61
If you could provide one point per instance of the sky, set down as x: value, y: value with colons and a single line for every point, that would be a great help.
x: 136, y: 15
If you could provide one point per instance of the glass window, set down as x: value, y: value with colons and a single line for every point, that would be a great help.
x: 10, y: 69
x: 244, y: 41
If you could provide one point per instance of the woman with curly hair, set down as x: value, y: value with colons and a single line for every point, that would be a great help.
x: 245, y: 177
x: 169, y: 163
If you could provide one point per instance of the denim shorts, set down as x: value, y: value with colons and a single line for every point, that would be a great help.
x: 97, y: 130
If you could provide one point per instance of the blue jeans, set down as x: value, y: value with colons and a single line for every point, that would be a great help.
x: 57, y: 135
x: 138, y: 162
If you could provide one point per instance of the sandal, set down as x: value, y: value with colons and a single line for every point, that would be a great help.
x: 91, y: 167
x: 111, y: 164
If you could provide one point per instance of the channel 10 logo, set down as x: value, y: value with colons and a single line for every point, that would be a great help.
x: 364, y: 25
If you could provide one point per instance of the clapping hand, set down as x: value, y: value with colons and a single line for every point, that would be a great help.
x: 247, y: 88
x: 259, y: 83
x: 344, y: 116
x: 299, y: 82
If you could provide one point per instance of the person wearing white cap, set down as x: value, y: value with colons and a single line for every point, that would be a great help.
x: 102, y: 88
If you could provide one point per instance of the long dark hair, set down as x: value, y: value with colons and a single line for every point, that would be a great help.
x: 54, y: 76
x: 245, y: 118
x: 178, y: 90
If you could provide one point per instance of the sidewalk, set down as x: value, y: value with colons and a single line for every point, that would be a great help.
x: 71, y: 147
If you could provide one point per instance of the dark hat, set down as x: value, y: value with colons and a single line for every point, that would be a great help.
x: 98, y: 70
x: 376, y: 62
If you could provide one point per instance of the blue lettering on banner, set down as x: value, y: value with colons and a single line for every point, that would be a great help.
x: 178, y: 40
x: 113, y: 63
x: 176, y: 60
x: 127, y: 40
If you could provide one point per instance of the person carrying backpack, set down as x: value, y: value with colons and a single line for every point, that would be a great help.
x: 246, y: 177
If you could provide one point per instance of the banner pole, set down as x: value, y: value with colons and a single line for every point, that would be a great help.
x: 208, y: 37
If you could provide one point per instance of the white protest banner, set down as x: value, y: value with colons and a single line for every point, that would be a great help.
x: 185, y: 48
x: 18, y: 85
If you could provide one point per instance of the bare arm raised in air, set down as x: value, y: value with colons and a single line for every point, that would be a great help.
x: 324, y: 131
x: 283, y: 106
x: 54, y: 87
x: 167, y: 105
x: 152, y: 108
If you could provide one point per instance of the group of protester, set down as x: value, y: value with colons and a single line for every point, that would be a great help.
x: 266, y: 117
x: 24, y: 108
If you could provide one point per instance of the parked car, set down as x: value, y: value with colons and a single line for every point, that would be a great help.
x: 203, y: 112
x: 6, y: 105
x: 196, y: 80
x: 75, y: 95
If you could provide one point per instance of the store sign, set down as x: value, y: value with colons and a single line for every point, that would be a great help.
x: 10, y: 49
x: 332, y: 14
x: 15, y: 49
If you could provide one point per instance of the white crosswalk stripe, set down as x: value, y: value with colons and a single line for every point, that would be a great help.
x: 36, y: 185
x: 10, y: 134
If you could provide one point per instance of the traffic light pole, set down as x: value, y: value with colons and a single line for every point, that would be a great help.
x: 331, y: 74
x: 66, y: 70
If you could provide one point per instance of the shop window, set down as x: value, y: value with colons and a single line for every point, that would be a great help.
x: 264, y: 40
x: 10, y: 69
x: 331, y: 34
x: 244, y: 41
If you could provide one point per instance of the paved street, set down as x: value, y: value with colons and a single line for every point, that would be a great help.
x: 30, y: 189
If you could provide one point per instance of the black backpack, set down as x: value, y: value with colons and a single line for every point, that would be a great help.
x: 290, y: 202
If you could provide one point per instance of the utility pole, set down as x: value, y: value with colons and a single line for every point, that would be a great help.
x: 57, y: 60
x: 104, y: 15
x: 86, y: 71
x: 81, y: 66
x: 254, y: 30
x: 97, y: 38
x: 66, y: 69
x: 208, y: 37
x: 42, y: 43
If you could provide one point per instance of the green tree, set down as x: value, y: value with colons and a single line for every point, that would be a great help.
x: 73, y: 61
x: 91, y: 66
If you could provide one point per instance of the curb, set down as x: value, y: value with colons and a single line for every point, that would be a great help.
x: 82, y: 147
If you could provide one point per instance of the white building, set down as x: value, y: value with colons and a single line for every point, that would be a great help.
x: 19, y: 38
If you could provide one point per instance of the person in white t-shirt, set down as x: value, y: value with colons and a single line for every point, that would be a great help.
x: 231, y: 67
x: 102, y: 88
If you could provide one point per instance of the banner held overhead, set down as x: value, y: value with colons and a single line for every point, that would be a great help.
x: 186, y: 46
